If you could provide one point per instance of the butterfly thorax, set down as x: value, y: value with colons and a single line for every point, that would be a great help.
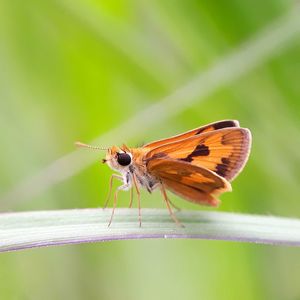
x: 139, y: 169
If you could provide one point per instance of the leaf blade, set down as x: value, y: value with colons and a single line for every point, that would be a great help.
x: 24, y: 230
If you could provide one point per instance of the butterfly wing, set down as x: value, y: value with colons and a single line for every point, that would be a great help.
x: 194, y: 183
x: 224, y: 151
x: 194, y: 132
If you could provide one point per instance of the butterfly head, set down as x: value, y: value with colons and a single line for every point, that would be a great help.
x: 118, y: 159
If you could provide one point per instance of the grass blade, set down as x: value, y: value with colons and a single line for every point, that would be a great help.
x: 24, y: 230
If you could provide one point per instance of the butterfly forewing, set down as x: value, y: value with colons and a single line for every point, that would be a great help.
x: 224, y: 151
x: 194, y: 132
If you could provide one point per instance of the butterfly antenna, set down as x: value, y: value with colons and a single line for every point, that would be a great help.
x: 82, y: 145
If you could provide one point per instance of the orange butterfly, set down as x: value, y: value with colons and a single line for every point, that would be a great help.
x: 197, y: 165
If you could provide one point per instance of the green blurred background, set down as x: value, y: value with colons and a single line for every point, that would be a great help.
x: 73, y: 70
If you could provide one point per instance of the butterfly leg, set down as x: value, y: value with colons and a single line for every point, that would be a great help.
x: 138, y: 197
x: 174, y: 206
x: 131, y: 198
x: 114, y: 207
x: 110, y: 187
x: 164, y: 193
x: 120, y: 188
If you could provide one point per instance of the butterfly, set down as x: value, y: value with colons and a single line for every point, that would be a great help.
x: 197, y: 165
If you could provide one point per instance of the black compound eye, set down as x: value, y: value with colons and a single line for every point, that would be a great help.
x: 124, y: 159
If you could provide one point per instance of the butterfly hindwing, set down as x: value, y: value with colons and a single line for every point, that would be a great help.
x: 224, y: 151
x: 191, y: 182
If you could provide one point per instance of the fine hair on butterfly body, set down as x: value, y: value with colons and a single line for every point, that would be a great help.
x: 197, y: 165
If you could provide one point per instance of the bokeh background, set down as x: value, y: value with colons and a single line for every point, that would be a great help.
x: 73, y: 70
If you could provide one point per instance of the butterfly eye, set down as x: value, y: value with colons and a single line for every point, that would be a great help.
x: 124, y: 159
